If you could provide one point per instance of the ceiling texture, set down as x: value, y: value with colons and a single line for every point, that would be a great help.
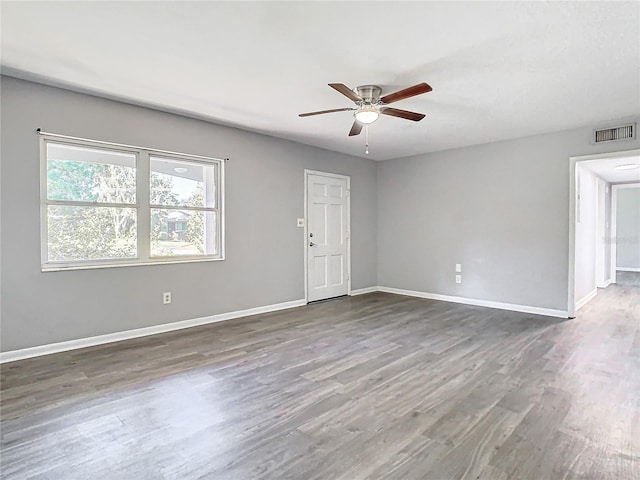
x: 499, y: 70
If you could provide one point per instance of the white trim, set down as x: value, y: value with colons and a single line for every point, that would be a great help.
x: 44, y: 226
x: 305, y: 244
x: 600, y: 240
x: 614, y: 227
x: 81, y: 141
x: 571, y: 294
x: 586, y: 299
x: 467, y: 301
x: 363, y: 291
x: 160, y: 261
x: 571, y: 289
x: 607, y: 155
x: 605, y: 284
x: 628, y: 269
x: 14, y: 355
x: 305, y: 239
x: 614, y: 234
x: 221, y: 209
x: 479, y: 303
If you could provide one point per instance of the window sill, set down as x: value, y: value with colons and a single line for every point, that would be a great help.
x: 171, y: 261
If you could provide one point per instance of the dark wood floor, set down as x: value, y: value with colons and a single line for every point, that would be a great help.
x: 372, y: 387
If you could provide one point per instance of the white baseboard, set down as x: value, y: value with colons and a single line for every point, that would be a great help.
x: 479, y: 303
x: 584, y: 300
x: 606, y: 284
x: 362, y: 291
x: 14, y: 355
x: 24, y: 353
x: 627, y: 269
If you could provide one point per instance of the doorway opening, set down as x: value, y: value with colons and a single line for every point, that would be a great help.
x: 604, y: 239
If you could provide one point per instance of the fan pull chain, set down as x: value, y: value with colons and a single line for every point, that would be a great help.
x: 366, y: 135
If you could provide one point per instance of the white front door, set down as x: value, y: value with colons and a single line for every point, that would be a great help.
x: 327, y: 236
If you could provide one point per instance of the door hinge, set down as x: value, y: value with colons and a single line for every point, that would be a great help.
x: 348, y: 276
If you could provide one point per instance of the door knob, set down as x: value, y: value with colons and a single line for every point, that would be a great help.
x: 311, y: 244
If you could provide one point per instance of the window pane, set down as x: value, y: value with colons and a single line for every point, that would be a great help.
x: 183, y: 232
x: 90, y: 174
x: 90, y: 233
x: 181, y: 183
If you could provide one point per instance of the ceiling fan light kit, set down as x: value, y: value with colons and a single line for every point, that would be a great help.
x: 367, y: 114
x: 369, y: 105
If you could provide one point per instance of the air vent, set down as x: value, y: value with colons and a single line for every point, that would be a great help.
x: 624, y: 132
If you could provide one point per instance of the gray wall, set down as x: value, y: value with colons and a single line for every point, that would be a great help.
x: 500, y: 209
x: 628, y: 228
x: 264, y: 196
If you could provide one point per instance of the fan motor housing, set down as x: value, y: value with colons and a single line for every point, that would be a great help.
x: 369, y: 93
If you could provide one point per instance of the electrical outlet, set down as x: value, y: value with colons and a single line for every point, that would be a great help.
x: 458, y: 278
x: 166, y: 298
x: 458, y: 267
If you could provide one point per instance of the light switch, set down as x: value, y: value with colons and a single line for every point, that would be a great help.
x: 458, y: 267
x: 301, y: 222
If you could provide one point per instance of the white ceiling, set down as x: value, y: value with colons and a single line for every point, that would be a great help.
x: 499, y: 70
x: 606, y: 169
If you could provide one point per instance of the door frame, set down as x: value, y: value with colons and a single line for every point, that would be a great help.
x: 614, y: 226
x: 571, y: 294
x: 308, y: 172
x: 601, y: 222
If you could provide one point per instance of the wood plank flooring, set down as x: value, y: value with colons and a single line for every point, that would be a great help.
x: 378, y: 386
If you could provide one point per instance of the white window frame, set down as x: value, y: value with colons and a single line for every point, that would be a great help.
x: 142, y: 205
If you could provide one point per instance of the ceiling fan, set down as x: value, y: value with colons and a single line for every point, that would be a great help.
x: 369, y: 104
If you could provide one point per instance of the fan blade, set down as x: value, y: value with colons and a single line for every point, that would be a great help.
x: 406, y: 93
x: 356, y: 128
x: 394, y: 112
x: 346, y: 91
x: 325, y: 111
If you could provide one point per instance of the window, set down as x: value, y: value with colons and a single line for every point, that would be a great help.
x: 108, y: 205
x: 183, y: 208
